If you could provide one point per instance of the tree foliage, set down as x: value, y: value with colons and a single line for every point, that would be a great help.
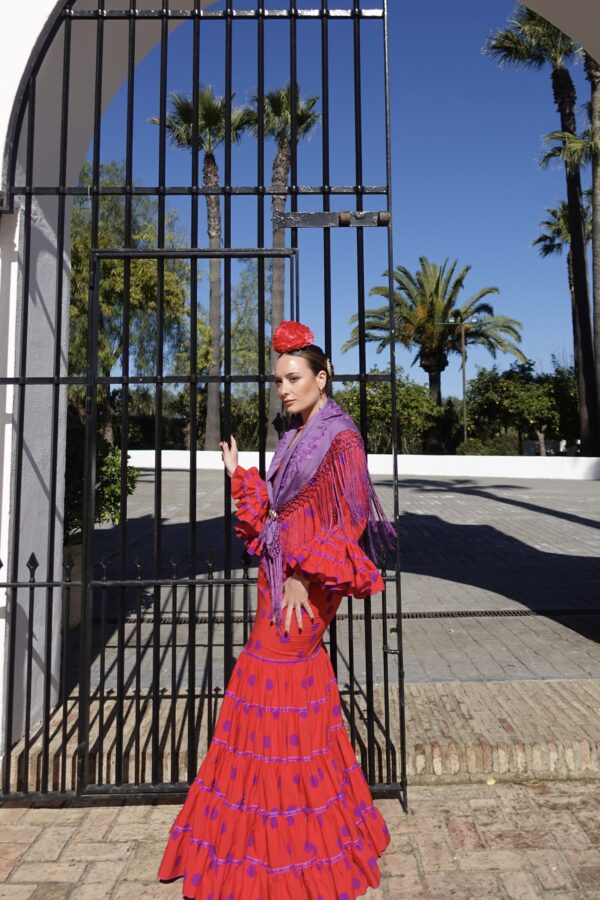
x: 429, y: 313
x: 416, y: 412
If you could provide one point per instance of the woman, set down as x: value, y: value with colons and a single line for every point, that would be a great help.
x: 280, y: 809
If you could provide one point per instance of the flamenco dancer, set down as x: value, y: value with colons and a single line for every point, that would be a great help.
x: 280, y: 808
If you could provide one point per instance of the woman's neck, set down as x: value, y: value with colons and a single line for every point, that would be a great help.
x: 305, y: 415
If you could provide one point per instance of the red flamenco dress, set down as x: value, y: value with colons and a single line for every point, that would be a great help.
x: 280, y: 808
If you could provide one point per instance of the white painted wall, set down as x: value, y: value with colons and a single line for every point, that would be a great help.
x: 409, y: 466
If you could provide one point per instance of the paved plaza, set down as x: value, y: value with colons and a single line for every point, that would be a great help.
x: 530, y: 549
x: 512, y: 841
x: 503, y: 711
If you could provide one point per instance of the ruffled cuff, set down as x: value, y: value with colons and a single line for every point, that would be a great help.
x: 338, y: 564
x: 250, y: 492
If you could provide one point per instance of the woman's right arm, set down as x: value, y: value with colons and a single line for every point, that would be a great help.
x: 249, y: 490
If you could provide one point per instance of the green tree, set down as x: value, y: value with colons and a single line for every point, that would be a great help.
x: 416, y: 412
x: 211, y: 130
x: 142, y: 296
x: 514, y: 400
x: 531, y: 42
x: 279, y: 119
x: 427, y: 315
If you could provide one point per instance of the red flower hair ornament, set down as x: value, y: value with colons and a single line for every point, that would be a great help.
x: 291, y: 336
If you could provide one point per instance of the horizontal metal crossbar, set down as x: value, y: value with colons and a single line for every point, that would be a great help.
x: 186, y: 14
x: 352, y: 219
x: 194, y: 191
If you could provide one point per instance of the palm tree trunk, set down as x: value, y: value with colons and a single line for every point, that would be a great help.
x: 565, y: 99
x: 583, y: 411
x: 435, y: 386
x: 280, y: 177
x: 592, y: 69
x: 212, y: 433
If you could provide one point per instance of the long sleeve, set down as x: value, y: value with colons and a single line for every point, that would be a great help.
x: 337, y: 503
x: 250, y: 492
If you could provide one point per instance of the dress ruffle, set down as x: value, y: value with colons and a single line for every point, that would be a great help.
x: 250, y: 491
x: 338, y: 564
x: 280, y: 809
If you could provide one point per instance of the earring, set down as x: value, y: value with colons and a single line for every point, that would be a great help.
x: 322, y: 400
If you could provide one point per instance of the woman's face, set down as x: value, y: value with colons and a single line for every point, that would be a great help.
x: 298, y: 387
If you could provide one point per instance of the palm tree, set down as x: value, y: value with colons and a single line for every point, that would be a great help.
x: 592, y: 70
x: 532, y: 42
x: 427, y: 312
x: 553, y: 240
x: 278, y: 118
x: 577, y: 151
x: 211, y: 127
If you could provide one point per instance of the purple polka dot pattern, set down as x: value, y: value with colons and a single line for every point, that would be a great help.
x: 252, y: 680
x: 336, y: 710
x: 196, y: 879
x: 294, y: 740
x: 227, y: 725
x: 269, y: 684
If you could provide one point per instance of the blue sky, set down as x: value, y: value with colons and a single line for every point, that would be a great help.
x: 466, y: 140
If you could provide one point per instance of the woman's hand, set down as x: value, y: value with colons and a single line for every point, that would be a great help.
x: 229, y: 455
x: 295, y: 599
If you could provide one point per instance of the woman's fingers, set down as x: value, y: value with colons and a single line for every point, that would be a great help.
x: 299, y: 617
x: 309, y: 610
x: 288, y: 619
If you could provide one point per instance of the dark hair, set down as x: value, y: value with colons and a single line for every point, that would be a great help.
x: 317, y: 360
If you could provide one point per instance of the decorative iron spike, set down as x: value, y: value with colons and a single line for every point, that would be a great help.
x: 174, y: 562
x: 1, y: 564
x: 32, y: 564
x: 105, y: 563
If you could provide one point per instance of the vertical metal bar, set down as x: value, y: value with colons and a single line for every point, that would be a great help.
x: 333, y: 645
x: 371, y: 774
x: 227, y: 592
x: 173, y: 710
x: 360, y: 248
x: 191, y: 635
x: 89, y: 505
x: 260, y: 240
x: 246, y: 594
x: 351, y: 691
x: 164, y: 36
x: 32, y: 566
x: 138, y: 673
x: 56, y: 394
x: 325, y: 151
x: 125, y: 371
x: 389, y: 776
x: 13, y: 609
x: 390, y: 253
x: 101, y: 693
x: 294, y: 100
x: 91, y: 414
x: 209, y: 652
x: 64, y: 680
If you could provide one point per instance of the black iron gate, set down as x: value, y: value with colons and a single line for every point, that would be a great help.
x: 115, y: 671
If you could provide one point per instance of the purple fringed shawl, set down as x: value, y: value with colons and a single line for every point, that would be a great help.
x: 293, y: 467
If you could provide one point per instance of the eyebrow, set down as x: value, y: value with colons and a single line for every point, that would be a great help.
x: 287, y: 374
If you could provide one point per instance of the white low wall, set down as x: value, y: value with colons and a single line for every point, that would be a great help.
x: 572, y: 467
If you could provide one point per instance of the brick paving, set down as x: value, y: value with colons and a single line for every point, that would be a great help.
x: 512, y: 841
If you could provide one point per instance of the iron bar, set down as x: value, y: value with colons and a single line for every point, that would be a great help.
x: 13, y: 601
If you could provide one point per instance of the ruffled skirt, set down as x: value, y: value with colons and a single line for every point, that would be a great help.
x: 280, y: 808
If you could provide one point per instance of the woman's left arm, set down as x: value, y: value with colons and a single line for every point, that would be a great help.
x: 332, y: 556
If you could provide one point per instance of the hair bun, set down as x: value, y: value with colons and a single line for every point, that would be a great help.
x: 291, y: 336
